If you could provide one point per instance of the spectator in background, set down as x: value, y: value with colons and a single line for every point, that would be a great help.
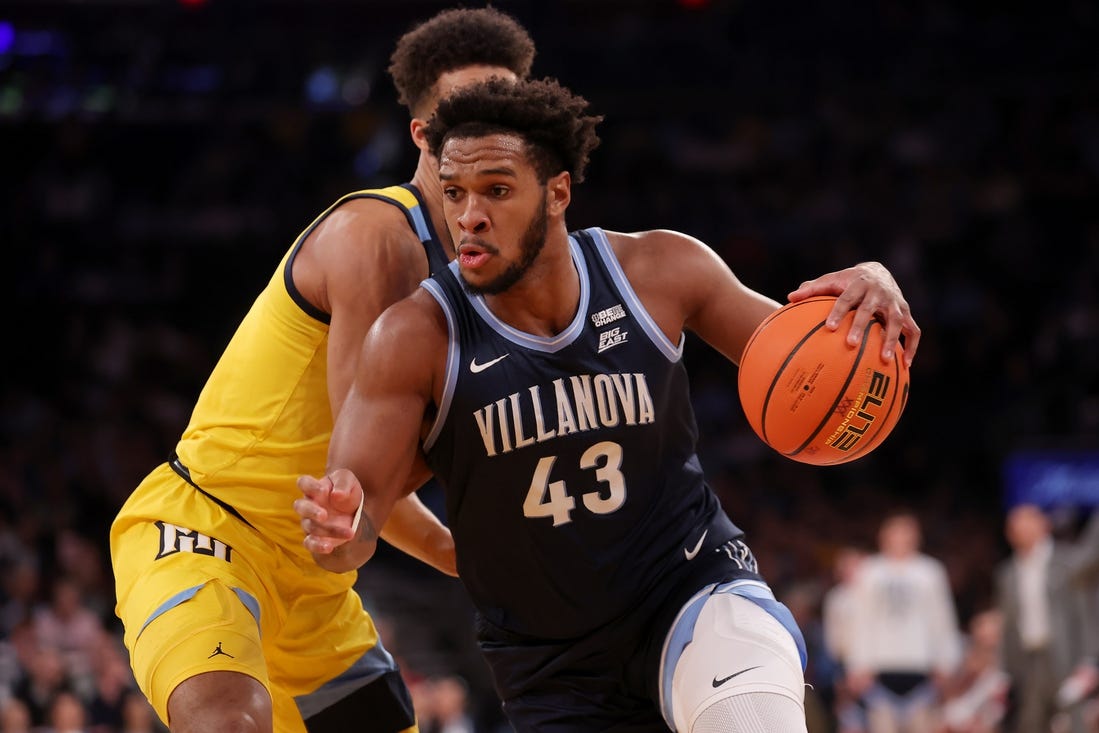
x: 837, y: 615
x: 66, y: 625
x: 906, y: 640
x: 1083, y: 683
x: 1047, y: 618
x: 114, y: 684
x: 15, y: 717
x: 138, y: 715
x: 45, y: 678
x: 20, y: 586
x: 67, y: 714
x: 452, y: 706
x: 976, y: 695
x: 804, y: 600
x: 1086, y: 569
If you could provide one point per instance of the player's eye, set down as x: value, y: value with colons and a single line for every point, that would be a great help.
x: 500, y: 191
x: 451, y: 192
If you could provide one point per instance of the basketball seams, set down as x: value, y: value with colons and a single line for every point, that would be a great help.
x: 774, y: 314
x: 778, y: 376
x: 759, y: 329
x: 839, y: 395
x: 870, y: 441
x: 781, y: 348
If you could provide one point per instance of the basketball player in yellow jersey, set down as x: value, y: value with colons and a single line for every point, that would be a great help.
x: 230, y: 624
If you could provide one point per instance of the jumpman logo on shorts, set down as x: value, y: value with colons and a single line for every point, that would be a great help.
x: 222, y: 653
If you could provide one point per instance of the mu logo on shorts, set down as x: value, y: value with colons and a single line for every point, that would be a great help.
x: 174, y: 538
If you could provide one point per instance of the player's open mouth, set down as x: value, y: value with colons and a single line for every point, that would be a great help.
x: 472, y: 256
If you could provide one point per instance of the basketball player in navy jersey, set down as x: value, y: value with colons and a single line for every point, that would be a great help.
x: 541, y: 374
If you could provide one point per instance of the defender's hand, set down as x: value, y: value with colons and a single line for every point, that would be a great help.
x: 328, y: 510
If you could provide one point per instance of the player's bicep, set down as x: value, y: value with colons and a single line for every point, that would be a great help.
x: 351, y: 322
x: 372, y: 266
x: 377, y: 430
x: 722, y: 311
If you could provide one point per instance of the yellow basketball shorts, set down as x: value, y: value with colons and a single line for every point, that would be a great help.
x: 200, y: 590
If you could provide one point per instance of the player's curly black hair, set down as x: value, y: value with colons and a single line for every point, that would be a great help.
x: 452, y: 40
x: 551, y: 120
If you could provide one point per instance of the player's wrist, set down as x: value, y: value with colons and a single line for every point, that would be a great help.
x: 357, y: 519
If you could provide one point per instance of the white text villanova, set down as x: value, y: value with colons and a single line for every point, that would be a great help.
x: 584, y: 402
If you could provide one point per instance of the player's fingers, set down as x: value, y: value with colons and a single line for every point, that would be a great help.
x: 308, y: 509
x: 324, y: 530
x: 911, y: 340
x: 853, y: 298
x: 897, y: 321
x: 315, y: 488
x: 892, y: 328
x: 820, y: 286
x: 319, y: 545
x: 314, y: 528
x: 346, y: 492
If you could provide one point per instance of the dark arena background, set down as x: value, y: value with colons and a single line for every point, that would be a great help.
x: 158, y: 156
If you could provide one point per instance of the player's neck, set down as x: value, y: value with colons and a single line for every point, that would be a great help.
x: 426, y: 179
x: 545, y: 300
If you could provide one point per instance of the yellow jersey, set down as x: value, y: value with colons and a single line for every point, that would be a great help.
x: 263, y: 418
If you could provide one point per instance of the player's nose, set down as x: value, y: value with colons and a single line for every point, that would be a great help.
x: 473, y: 218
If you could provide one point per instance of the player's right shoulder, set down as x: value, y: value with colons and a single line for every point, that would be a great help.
x: 416, y: 317
x: 414, y: 327
x: 362, y: 250
x: 363, y: 226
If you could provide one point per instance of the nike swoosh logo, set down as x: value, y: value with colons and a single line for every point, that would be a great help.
x: 690, y: 554
x: 723, y: 680
x: 478, y: 368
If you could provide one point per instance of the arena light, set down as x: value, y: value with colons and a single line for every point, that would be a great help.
x: 7, y: 36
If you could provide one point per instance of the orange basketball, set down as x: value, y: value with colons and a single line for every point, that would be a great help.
x: 810, y: 395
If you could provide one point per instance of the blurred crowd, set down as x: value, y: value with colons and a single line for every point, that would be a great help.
x: 155, y: 170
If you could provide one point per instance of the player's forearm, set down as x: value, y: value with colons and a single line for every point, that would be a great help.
x: 413, y: 529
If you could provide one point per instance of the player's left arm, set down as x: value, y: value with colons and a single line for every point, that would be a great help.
x: 685, y: 285
x: 869, y: 289
x: 415, y: 530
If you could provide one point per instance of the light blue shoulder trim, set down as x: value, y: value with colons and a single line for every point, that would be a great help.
x: 452, y: 356
x: 422, y: 230
x: 648, y: 325
x: 547, y: 344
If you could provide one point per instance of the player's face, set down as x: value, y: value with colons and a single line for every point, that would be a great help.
x: 496, y: 209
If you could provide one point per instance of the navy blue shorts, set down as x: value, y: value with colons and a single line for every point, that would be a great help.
x: 607, y: 680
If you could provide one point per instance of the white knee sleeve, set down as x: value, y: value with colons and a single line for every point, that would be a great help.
x: 751, y: 712
x: 741, y: 670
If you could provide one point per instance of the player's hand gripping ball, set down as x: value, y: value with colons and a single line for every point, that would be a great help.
x: 813, y: 397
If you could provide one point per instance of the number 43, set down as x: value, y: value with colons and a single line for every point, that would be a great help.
x: 547, y: 498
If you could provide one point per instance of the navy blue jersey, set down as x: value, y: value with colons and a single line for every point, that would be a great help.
x: 573, y: 488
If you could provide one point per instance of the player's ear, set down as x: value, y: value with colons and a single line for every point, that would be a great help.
x: 417, y: 128
x: 558, y: 193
